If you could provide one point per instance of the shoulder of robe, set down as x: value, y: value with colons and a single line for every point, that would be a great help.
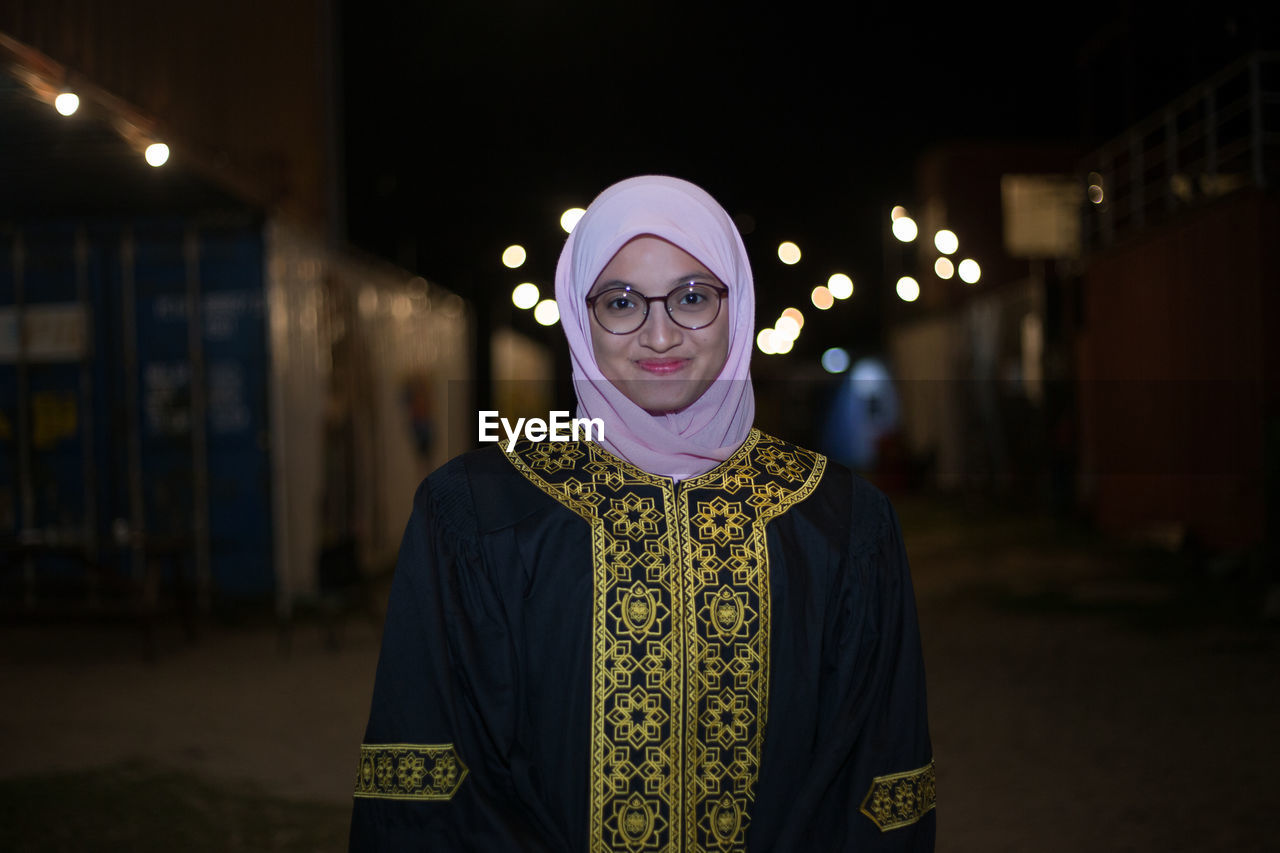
x: 479, y: 491
x: 845, y: 502
x: 872, y: 519
x: 829, y: 502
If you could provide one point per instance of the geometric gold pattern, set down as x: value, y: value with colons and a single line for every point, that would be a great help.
x: 900, y: 799
x: 405, y: 771
x: 680, y: 634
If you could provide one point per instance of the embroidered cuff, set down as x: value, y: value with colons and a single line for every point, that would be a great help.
x: 407, y: 771
x: 900, y: 799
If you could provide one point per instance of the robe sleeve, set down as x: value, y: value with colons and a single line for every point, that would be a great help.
x: 433, y: 773
x: 872, y: 785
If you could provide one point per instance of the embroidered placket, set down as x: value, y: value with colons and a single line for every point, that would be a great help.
x: 680, y: 635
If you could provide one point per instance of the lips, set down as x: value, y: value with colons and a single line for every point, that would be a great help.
x: 662, y: 366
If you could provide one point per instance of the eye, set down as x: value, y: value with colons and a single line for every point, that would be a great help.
x: 618, y: 301
x: 695, y: 295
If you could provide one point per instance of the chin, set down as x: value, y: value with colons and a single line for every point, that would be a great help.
x: 664, y: 396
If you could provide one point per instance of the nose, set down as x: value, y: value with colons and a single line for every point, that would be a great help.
x: 659, y: 332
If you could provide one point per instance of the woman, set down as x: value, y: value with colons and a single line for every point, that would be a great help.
x: 686, y: 635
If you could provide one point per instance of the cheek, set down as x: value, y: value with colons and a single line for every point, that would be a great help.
x: 604, y: 347
x: 719, y: 348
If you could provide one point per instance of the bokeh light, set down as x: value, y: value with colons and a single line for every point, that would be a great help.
x: 157, y: 154
x: 66, y: 103
x: 840, y: 285
x: 525, y: 295
x: 764, y: 340
x: 969, y: 271
x: 786, y: 328
x: 794, y: 314
x: 944, y: 268
x: 835, y: 360
x: 822, y: 298
x: 908, y: 289
x: 513, y: 256
x: 789, y: 253
x: 946, y: 241
x: 570, y: 218
x: 782, y: 346
x: 1095, y: 187
x: 547, y: 312
x: 904, y: 228
x: 898, y: 211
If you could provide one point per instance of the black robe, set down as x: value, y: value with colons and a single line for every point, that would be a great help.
x: 579, y: 655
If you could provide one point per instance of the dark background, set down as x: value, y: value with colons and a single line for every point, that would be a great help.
x: 472, y: 126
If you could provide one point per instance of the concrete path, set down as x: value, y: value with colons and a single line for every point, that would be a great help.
x: 1059, y: 723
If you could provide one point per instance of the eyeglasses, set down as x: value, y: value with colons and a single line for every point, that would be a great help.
x: 692, y: 306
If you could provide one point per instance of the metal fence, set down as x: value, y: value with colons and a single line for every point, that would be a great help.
x: 1221, y: 136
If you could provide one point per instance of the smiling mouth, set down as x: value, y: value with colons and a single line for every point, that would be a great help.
x: 664, y: 366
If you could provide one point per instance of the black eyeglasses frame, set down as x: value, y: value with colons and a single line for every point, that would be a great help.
x: 720, y: 290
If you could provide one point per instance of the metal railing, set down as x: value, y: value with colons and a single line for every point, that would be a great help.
x: 1221, y: 136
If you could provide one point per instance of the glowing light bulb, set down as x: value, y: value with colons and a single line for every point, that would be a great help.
x: 157, y: 154
x: 785, y: 329
x: 835, y: 360
x: 840, y: 285
x: 794, y: 314
x: 525, y: 295
x: 547, y: 312
x: 570, y: 218
x: 1095, y: 188
x: 513, y: 256
x: 908, y: 289
x: 904, y: 228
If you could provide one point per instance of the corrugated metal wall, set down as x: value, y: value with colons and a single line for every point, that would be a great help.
x: 362, y: 357
x: 216, y: 402
x: 1173, y: 365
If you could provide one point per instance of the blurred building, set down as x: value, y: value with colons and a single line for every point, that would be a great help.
x: 1178, y: 356
x: 979, y: 324
x: 1118, y: 350
x: 201, y: 388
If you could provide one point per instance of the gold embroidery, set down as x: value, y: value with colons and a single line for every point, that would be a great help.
x: 680, y: 633
x: 405, y: 771
x: 900, y: 799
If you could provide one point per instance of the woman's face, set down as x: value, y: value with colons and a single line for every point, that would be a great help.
x: 661, y: 367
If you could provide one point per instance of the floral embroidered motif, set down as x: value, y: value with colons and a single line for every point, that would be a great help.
x: 555, y: 456
x: 900, y: 799
x: 633, y: 517
x: 401, y: 771
x: 720, y: 521
x: 680, y: 634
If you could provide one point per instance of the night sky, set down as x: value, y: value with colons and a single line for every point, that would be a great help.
x: 473, y: 125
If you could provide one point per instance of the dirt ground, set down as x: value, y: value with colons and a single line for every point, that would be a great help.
x: 1080, y: 699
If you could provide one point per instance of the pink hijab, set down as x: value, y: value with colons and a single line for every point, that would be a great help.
x: 696, y: 439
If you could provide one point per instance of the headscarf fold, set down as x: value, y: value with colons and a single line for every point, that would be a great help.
x: 695, y: 439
